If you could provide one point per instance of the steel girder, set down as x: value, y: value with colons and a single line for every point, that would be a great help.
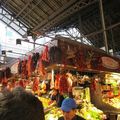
x: 16, y: 25
x: 53, y: 20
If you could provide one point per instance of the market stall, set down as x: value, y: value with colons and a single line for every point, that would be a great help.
x: 66, y: 64
x: 71, y: 54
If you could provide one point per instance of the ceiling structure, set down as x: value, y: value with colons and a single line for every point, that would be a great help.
x: 41, y: 17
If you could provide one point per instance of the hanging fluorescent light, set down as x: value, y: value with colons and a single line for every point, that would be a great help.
x: 3, y: 52
x: 10, y: 51
x: 18, y: 41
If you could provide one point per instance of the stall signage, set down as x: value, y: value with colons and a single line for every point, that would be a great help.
x: 110, y: 63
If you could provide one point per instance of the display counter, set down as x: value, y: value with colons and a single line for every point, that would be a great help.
x: 111, y: 90
x: 85, y: 108
x: 89, y: 112
x: 45, y: 102
x: 106, y: 88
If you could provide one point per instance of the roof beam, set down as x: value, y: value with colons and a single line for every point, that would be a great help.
x: 101, y: 30
x: 11, y: 13
x: 31, y: 9
x: 59, y: 15
x: 4, y: 2
x: 8, y: 16
x: 48, y: 5
x: 20, y: 11
x: 55, y: 14
x: 30, y: 17
x: 11, y: 27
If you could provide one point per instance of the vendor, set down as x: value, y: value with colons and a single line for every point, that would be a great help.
x: 57, y: 97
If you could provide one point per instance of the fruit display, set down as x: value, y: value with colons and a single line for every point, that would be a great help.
x: 85, y: 110
x: 89, y: 112
x: 115, y: 102
x: 53, y: 114
x: 45, y: 101
x: 111, y: 90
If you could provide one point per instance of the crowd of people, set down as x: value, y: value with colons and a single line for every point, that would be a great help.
x: 20, y: 104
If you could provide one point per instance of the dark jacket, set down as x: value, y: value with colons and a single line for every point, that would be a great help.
x: 59, y: 98
x: 75, y: 118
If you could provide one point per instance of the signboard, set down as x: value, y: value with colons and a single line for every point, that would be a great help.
x: 110, y: 63
x: 87, y: 58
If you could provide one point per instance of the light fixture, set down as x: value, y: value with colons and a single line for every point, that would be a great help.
x: 3, y: 52
x: 10, y: 51
x: 18, y: 41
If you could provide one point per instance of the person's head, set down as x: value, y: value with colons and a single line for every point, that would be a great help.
x: 20, y: 105
x: 69, y: 108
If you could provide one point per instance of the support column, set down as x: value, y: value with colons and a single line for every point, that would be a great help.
x: 112, y: 38
x: 80, y: 27
x: 34, y: 44
x: 34, y: 40
x: 103, y: 26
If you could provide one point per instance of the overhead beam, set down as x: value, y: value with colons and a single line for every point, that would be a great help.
x: 20, y: 11
x: 6, y: 13
x: 57, y: 13
x: 10, y: 51
x: 3, y: 2
x: 31, y: 9
x: 31, y: 42
x: 101, y: 30
x: 29, y: 19
x: 53, y: 19
x: 48, y: 5
x: 19, y: 25
x: 12, y: 28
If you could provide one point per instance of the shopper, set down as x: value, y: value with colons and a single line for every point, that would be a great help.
x: 69, y: 110
x: 20, y: 105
